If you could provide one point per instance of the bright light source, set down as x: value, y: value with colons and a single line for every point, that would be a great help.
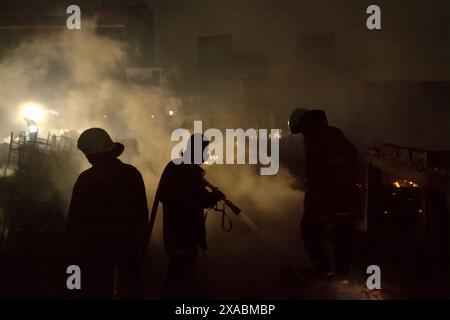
x: 33, y: 111
x: 33, y: 128
x: 171, y: 113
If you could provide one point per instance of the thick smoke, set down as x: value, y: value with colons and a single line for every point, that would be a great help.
x: 80, y: 75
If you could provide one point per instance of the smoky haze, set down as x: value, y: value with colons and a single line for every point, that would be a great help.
x: 365, y: 76
x: 78, y: 74
x: 378, y: 86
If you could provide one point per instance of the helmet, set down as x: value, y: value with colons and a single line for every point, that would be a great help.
x: 97, y: 140
x: 301, y: 119
x: 294, y: 120
x: 190, y: 155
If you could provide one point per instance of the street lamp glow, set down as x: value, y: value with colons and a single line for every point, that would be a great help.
x: 33, y: 128
x: 33, y: 111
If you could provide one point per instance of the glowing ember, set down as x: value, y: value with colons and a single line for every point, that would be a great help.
x: 405, y: 184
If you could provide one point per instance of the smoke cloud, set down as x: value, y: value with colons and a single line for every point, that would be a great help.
x: 79, y: 74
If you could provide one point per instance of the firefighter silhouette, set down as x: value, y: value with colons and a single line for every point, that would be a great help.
x: 184, y: 198
x: 330, y: 189
x: 107, y: 219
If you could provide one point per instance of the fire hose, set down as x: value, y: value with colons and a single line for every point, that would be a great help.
x: 226, y: 203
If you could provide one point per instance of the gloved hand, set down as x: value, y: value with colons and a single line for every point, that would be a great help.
x: 217, y: 195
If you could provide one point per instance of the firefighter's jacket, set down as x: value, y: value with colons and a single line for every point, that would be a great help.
x: 108, y: 212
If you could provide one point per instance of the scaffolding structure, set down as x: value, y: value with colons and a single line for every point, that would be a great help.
x: 28, y: 151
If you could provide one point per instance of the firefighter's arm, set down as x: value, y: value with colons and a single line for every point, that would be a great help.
x: 75, y: 210
x: 210, y: 198
x: 317, y: 158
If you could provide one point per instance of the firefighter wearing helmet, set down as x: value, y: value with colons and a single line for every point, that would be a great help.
x: 330, y: 189
x: 107, y: 220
